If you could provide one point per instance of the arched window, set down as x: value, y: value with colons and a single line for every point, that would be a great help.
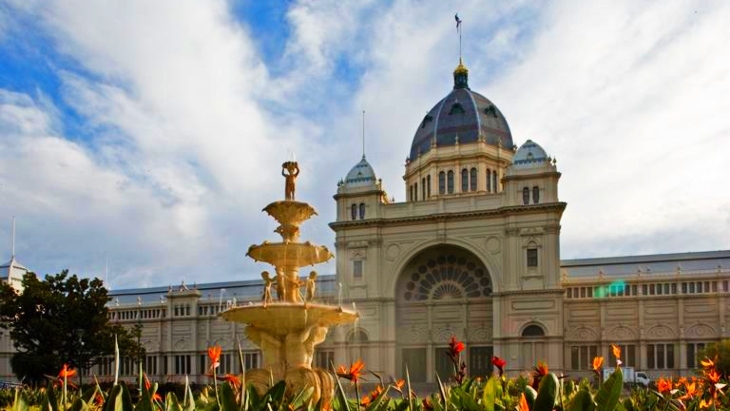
x: 473, y: 179
x: 428, y: 186
x: 442, y: 182
x: 494, y: 181
x: 450, y: 181
x: 489, y: 181
x: 362, y: 210
x: 533, y: 330
x: 535, y: 194
x: 464, y: 180
x: 525, y: 196
x: 423, y: 188
x: 415, y: 192
x: 353, y: 211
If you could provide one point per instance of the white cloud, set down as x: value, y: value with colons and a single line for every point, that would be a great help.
x: 188, y: 124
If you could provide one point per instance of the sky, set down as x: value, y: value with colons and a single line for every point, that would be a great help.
x: 140, y: 140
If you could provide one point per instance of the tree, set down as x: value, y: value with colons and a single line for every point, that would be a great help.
x: 59, y: 320
x: 720, y: 353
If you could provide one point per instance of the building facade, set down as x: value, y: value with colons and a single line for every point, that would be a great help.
x: 473, y: 252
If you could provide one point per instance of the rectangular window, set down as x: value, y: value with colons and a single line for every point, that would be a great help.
x: 570, y: 293
x: 532, y: 257
x: 442, y: 182
x: 357, y: 269
x: 660, y: 356
x: 581, y: 356
x: 444, y: 367
x: 415, y: 360
x: 590, y: 292
x: 628, y: 356
x: 325, y: 358
x: 582, y: 292
x: 251, y: 360
x: 674, y: 288
x: 480, y: 361
x: 644, y: 289
x: 684, y: 288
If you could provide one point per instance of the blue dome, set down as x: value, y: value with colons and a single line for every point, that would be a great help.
x: 463, y: 113
x: 361, y: 175
x: 530, y: 155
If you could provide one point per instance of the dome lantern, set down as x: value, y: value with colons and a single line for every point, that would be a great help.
x: 461, y: 76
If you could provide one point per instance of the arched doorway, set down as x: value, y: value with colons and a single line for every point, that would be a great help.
x: 443, y: 291
x: 532, y: 346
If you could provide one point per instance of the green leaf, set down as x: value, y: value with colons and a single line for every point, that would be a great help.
x: 547, y: 393
x: 442, y: 391
x: 228, y: 398
x: 490, y: 393
x: 119, y: 399
x: 50, y: 402
x: 608, y: 394
x: 172, y: 403
x: 530, y: 396
x: 582, y: 401
x: 21, y: 401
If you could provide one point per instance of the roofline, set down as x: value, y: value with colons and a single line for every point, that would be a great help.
x: 646, y: 258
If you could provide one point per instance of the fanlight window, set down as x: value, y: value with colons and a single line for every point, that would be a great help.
x: 533, y: 331
x: 448, y: 277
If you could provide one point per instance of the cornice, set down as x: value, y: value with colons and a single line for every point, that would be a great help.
x: 466, y: 215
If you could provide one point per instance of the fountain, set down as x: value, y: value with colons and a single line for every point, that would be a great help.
x: 289, y: 327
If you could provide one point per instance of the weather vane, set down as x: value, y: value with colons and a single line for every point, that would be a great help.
x: 458, y: 29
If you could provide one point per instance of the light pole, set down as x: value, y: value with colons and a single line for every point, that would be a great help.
x: 139, y: 338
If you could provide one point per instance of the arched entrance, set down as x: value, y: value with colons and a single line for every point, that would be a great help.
x: 443, y: 291
x: 533, y: 346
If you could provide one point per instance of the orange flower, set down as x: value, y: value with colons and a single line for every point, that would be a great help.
x: 707, y: 363
x: 365, y: 400
x: 455, y: 347
x: 148, y: 385
x: 597, y: 363
x: 690, y: 390
x: 499, y: 363
x: 233, y: 380
x: 664, y: 385
x: 713, y: 376
x: 398, y: 385
x: 214, y: 353
x: 354, y: 373
x: 66, y: 372
x: 523, y: 406
x: 616, y: 353
x: 540, y: 371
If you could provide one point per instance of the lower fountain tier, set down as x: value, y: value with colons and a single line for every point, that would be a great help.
x: 289, y: 254
x: 282, y: 319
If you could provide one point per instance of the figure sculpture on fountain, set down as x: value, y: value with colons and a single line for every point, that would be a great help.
x: 292, y: 168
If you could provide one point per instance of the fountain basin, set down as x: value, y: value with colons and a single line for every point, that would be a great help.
x: 282, y: 319
x: 290, y: 212
x: 289, y: 254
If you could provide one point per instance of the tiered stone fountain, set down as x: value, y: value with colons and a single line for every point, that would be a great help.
x: 289, y: 327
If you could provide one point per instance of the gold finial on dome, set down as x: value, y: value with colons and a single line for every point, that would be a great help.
x: 461, y: 68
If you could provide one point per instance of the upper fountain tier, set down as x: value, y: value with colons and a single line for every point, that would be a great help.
x: 289, y: 253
